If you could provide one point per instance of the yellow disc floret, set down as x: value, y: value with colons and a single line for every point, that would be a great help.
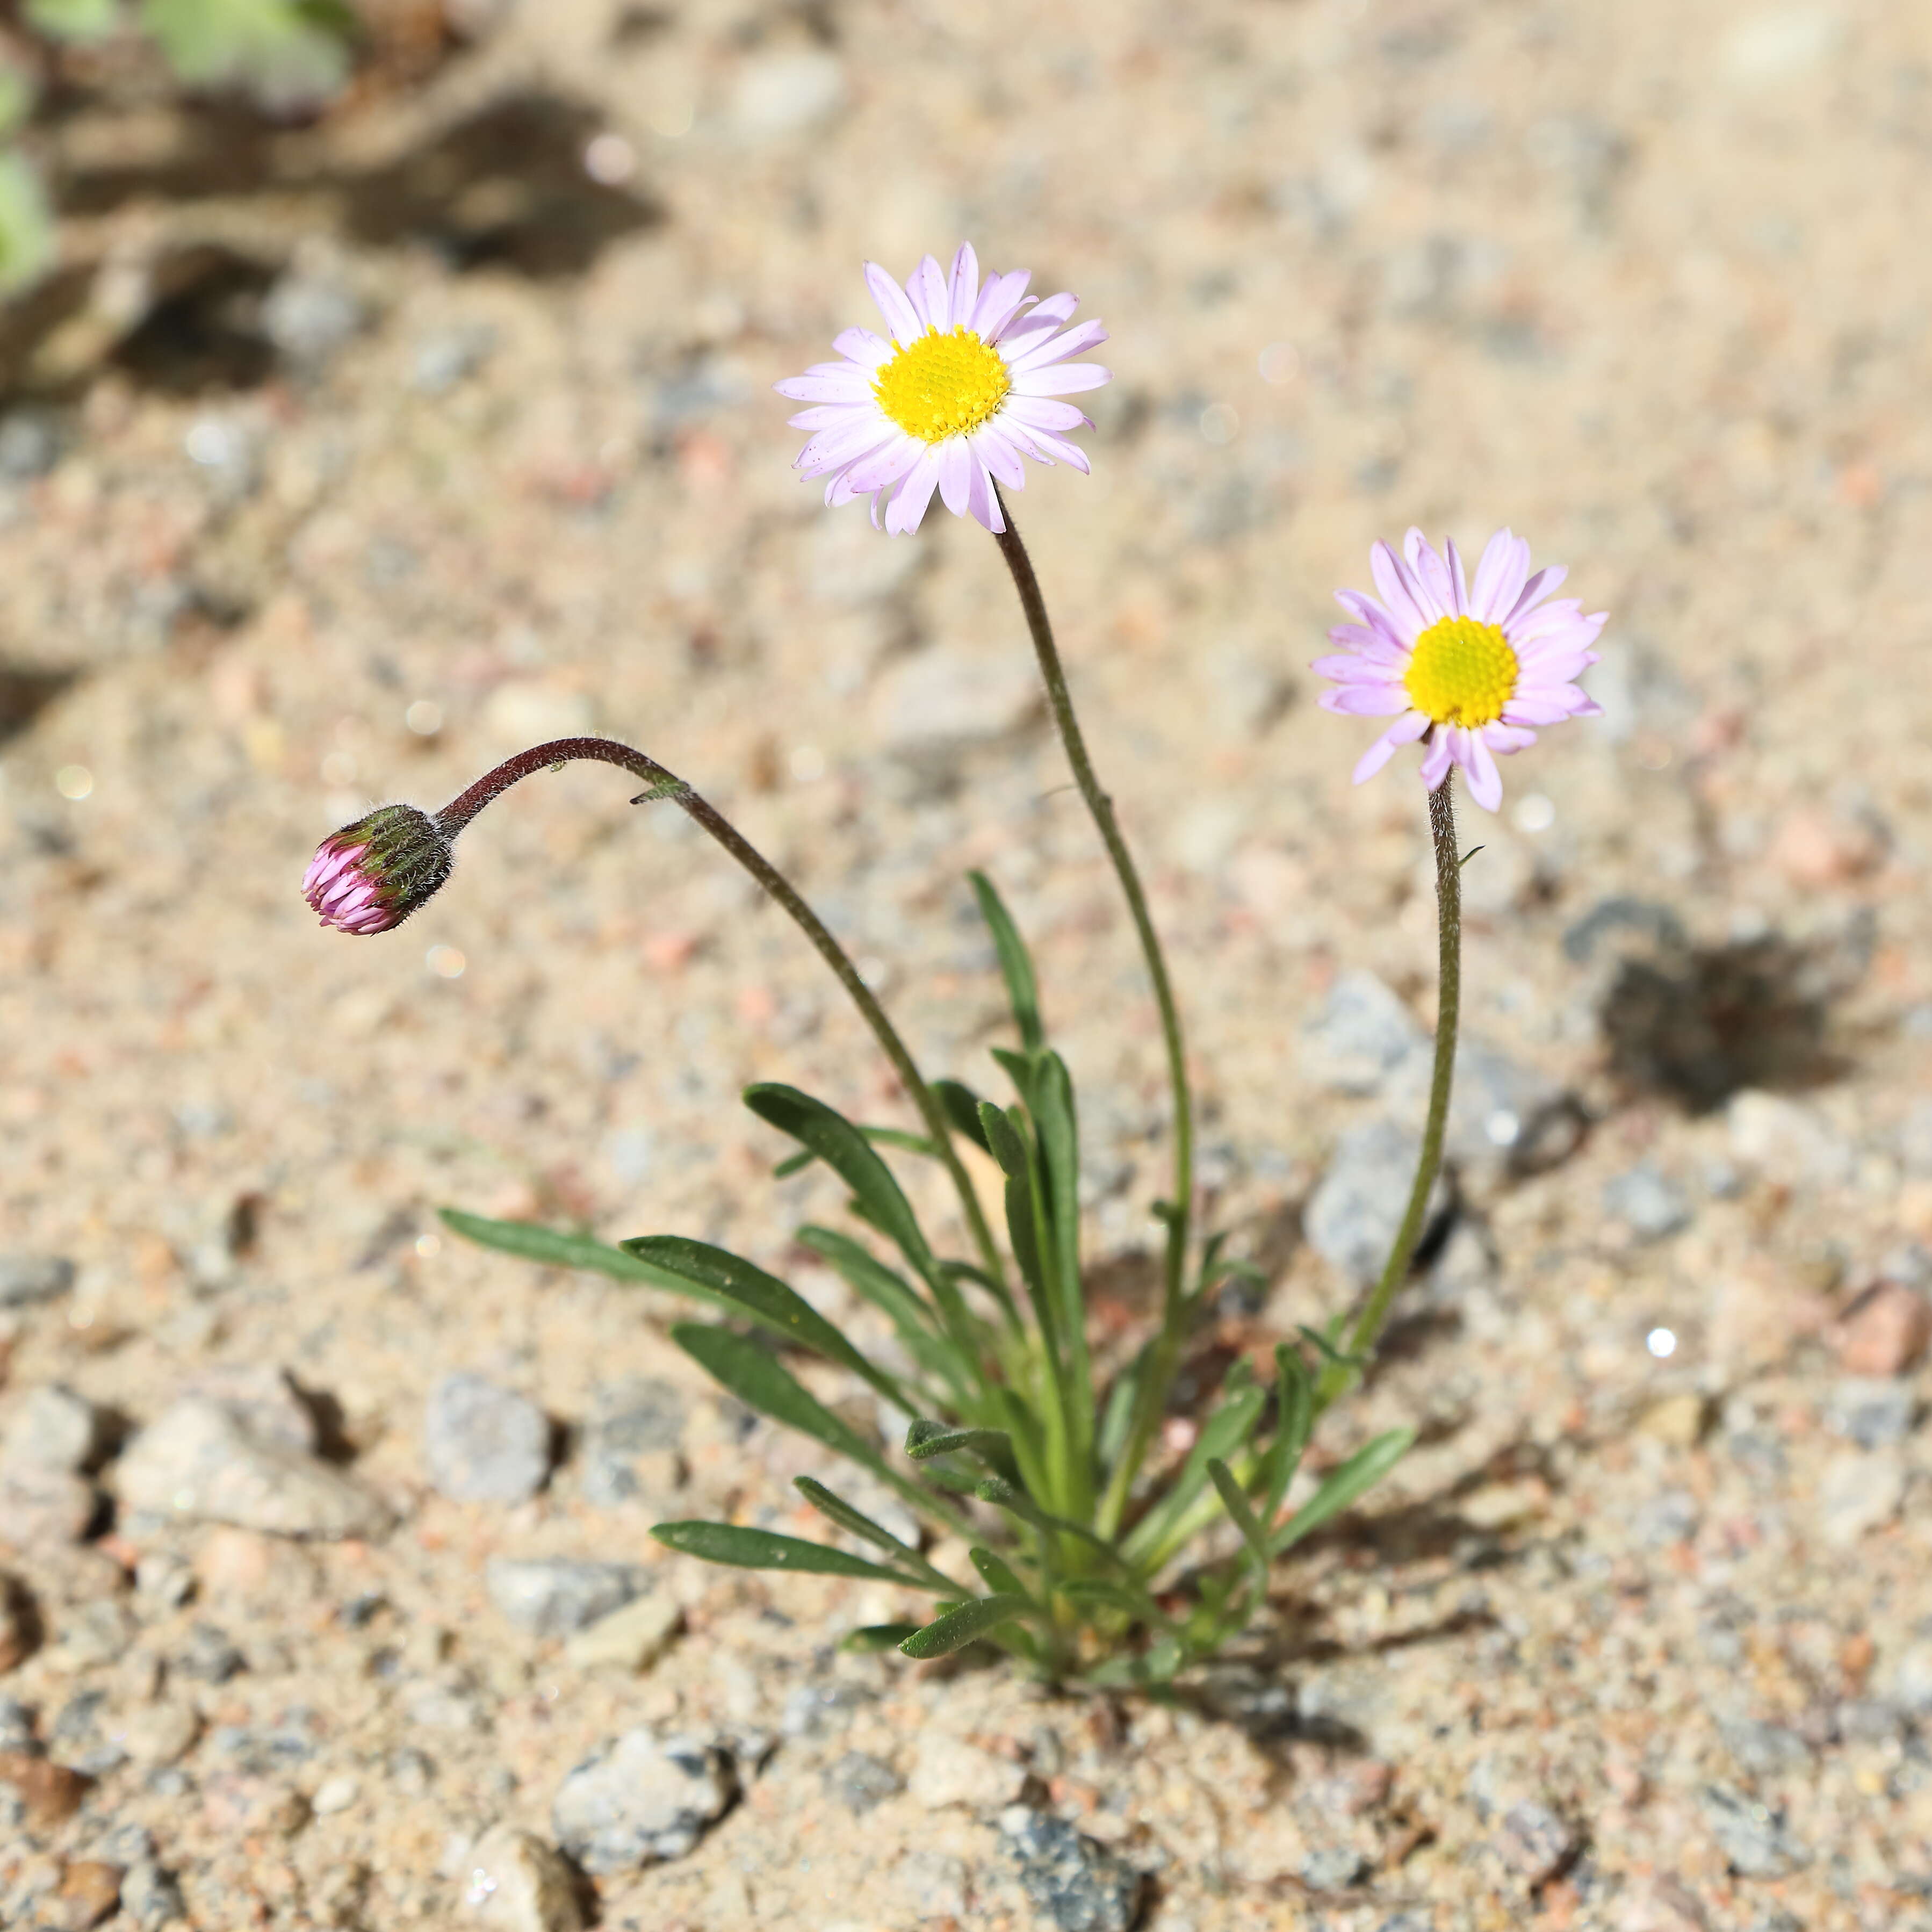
x: 1462, y: 672
x: 945, y: 384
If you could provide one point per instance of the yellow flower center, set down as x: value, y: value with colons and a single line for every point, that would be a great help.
x: 1462, y: 673
x: 945, y: 384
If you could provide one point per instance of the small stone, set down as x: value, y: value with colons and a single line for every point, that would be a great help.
x: 947, y: 1770
x: 933, y: 1884
x: 17, y: 1727
x: 162, y: 1581
x: 1786, y: 1141
x: 782, y: 94
x: 1362, y: 1033
x: 1333, y: 1868
x: 1648, y: 1203
x: 410, y: 1771
x: 513, y: 1880
x: 1074, y: 1883
x: 631, y: 1639
x: 1671, y: 1516
x: 1885, y: 1332
x: 150, y: 1897
x: 1535, y: 1840
x: 207, y: 1656
x: 50, y: 1793
x: 1352, y: 1217
x: 310, y: 316
x: 53, y: 1428
x: 336, y: 1794
x: 641, y: 1797
x: 40, y: 1508
x: 1679, y: 1420
x: 1858, y: 1491
x: 1874, y: 1411
x: 93, y: 1634
x: 631, y: 1441
x: 860, y: 1781
x: 817, y: 1709
x: 1504, y: 1118
x: 1765, y: 1751
x: 484, y: 1444
x: 1752, y: 1836
x: 552, y: 1596
x: 444, y: 359
x: 89, y: 1891
x: 30, y: 445
x: 26, y: 1279
x: 162, y: 1734
x: 263, y: 1398
x: 199, y: 1463
x: 931, y: 709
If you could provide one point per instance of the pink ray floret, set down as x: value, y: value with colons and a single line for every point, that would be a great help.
x: 370, y: 876
x: 962, y: 387
x: 1472, y: 667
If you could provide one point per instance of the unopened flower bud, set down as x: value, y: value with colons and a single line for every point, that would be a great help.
x: 371, y: 875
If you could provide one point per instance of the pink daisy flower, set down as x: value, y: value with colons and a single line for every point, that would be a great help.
x: 962, y: 388
x: 1471, y: 668
x: 371, y: 875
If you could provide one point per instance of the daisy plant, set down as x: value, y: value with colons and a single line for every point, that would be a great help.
x: 1060, y: 1520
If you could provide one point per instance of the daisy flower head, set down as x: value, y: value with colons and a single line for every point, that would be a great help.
x: 1471, y: 667
x: 961, y: 387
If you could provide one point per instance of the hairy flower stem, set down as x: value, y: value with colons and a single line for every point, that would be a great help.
x: 1151, y: 1398
x: 663, y: 783
x: 1449, y: 917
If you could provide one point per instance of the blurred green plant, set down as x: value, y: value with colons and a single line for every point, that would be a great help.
x: 285, y: 56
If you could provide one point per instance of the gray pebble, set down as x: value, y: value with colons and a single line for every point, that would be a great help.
x: 484, y: 1444
x: 309, y: 317
x: 631, y: 1443
x: 150, y: 1897
x: 860, y: 1781
x: 27, y: 1279
x: 53, y: 1428
x: 1671, y: 1516
x: 199, y: 1463
x: 17, y: 1727
x: 1764, y: 1750
x: 1752, y: 1836
x: 1504, y: 1118
x: 1874, y: 1411
x: 443, y: 360
x: 1073, y: 1882
x: 514, y: 1881
x: 41, y: 1508
x: 933, y: 1884
x: 207, y: 1657
x: 79, y: 1739
x: 410, y: 1771
x: 1535, y: 1840
x: 260, y: 1396
x: 1352, y: 1217
x: 1333, y: 1868
x: 553, y: 1596
x: 816, y: 1710
x: 1651, y: 1205
x: 1361, y: 1034
x: 642, y: 1798
x: 30, y: 445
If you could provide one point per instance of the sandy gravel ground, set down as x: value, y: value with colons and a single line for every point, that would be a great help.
x: 341, y: 467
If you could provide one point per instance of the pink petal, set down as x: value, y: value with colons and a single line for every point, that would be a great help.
x: 863, y: 346
x: 901, y: 318
x: 1372, y: 615
x: 997, y: 453
x: 981, y: 501
x: 1437, y: 760
x: 1048, y: 448
x: 1060, y: 379
x: 998, y: 300
x: 906, y: 511
x: 886, y: 466
x: 1365, y: 700
x: 1430, y: 571
x: 854, y: 388
x: 1539, y: 587
x: 1046, y: 315
x: 1485, y: 782
x: 1023, y: 352
x: 1404, y: 731
x: 955, y: 474
x: 1042, y: 412
x: 1536, y: 707
x: 1500, y: 577
x: 1350, y: 668
x: 965, y: 289
x: 1404, y: 598
x: 929, y: 293
x: 1504, y: 738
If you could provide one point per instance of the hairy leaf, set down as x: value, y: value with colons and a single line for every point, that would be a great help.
x: 1343, y: 1484
x: 1016, y: 963
x: 956, y: 1628
x: 762, y: 1549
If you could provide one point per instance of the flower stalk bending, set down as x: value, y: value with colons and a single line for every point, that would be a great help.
x: 665, y: 784
x: 1151, y: 1396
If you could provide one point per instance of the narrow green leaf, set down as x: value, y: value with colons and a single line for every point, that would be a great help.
x: 868, y: 1638
x: 1002, y: 1140
x: 1003, y: 1495
x: 762, y: 1549
x: 862, y: 1272
x: 1019, y: 1069
x: 1158, y: 1663
x: 998, y: 1574
x: 836, y: 1509
x: 1294, y: 1422
x: 554, y: 1249
x: 1236, y: 1504
x: 926, y: 1439
x: 1223, y: 1433
x: 1117, y: 1417
x: 956, y: 1628
x: 768, y: 1301
x: 1327, y: 1349
x: 1343, y: 1484
x: 962, y: 1107
x: 760, y: 1383
x: 844, y: 1150
x: 1016, y: 963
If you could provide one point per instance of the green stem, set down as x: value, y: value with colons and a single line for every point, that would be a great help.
x: 664, y: 784
x: 1152, y: 1394
x: 1449, y: 915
